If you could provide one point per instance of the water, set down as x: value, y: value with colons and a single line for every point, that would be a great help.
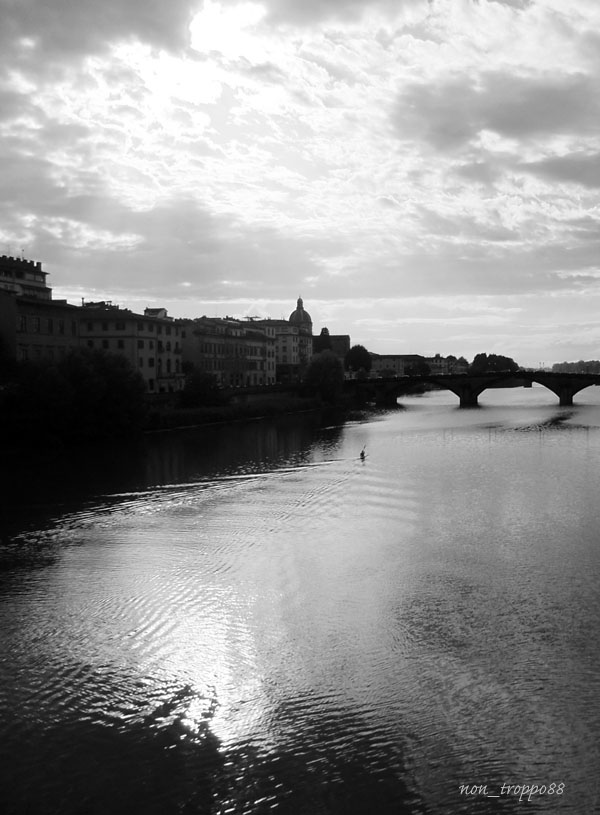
x: 253, y: 620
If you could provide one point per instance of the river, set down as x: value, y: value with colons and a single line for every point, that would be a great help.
x: 251, y: 619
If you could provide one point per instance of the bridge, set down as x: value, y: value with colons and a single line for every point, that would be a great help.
x: 468, y: 387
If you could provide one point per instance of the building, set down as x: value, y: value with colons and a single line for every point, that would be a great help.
x: 23, y: 278
x: 33, y: 326
x: 45, y: 329
x: 301, y: 319
x: 447, y: 365
x: 394, y: 364
x: 338, y: 344
x: 404, y: 364
x: 293, y: 343
x: 150, y: 341
x: 236, y: 352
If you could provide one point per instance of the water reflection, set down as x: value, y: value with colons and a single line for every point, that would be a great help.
x: 107, y: 742
x: 279, y: 626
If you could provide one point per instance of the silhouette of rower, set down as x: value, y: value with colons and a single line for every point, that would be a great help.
x: 363, y: 454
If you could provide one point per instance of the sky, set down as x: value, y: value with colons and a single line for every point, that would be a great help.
x: 425, y: 174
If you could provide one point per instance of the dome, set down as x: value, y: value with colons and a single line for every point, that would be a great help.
x: 300, y: 317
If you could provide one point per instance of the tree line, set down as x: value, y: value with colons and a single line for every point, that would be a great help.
x: 87, y: 395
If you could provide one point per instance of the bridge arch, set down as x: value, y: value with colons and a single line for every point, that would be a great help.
x: 469, y: 387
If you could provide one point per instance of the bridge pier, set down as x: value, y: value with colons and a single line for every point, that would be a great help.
x: 467, y: 395
x: 564, y: 391
x: 565, y: 396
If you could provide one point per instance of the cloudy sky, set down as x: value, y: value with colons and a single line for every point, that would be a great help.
x: 424, y: 173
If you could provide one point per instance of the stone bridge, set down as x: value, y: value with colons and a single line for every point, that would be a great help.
x: 467, y: 387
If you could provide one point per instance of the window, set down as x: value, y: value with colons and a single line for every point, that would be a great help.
x: 151, y: 362
x: 36, y: 325
x: 22, y: 323
x: 120, y: 325
x: 105, y: 344
x: 73, y: 328
x: 141, y: 362
x: 50, y: 325
x: 120, y: 344
x: 90, y: 343
x: 104, y: 325
x: 140, y: 343
x: 61, y: 326
x: 150, y: 384
x: 90, y: 326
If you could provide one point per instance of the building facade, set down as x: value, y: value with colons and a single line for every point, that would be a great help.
x: 403, y: 364
x: 238, y: 353
x: 151, y: 343
x: 23, y: 278
x: 394, y: 364
x: 33, y: 326
x: 45, y: 329
x: 293, y: 343
x: 338, y: 344
x: 301, y: 319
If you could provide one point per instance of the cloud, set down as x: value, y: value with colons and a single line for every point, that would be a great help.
x: 451, y: 113
x: 342, y: 150
x: 517, y: 4
x: 576, y: 168
x: 175, y: 244
x: 60, y: 29
x: 310, y: 12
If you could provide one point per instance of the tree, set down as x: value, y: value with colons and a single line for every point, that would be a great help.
x: 90, y: 394
x: 357, y: 358
x: 418, y: 369
x: 106, y: 393
x: 482, y: 363
x: 325, y: 376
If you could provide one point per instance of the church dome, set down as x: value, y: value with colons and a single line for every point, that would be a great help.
x: 300, y: 317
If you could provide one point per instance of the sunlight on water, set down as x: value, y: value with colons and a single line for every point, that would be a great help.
x: 280, y: 626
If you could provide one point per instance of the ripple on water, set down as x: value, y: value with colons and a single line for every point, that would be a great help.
x: 330, y: 637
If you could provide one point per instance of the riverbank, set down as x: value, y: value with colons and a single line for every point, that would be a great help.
x: 160, y: 418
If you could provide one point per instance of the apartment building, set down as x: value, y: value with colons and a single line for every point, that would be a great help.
x: 23, y: 278
x: 33, y: 326
x: 150, y: 341
x: 236, y: 352
x: 394, y: 364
